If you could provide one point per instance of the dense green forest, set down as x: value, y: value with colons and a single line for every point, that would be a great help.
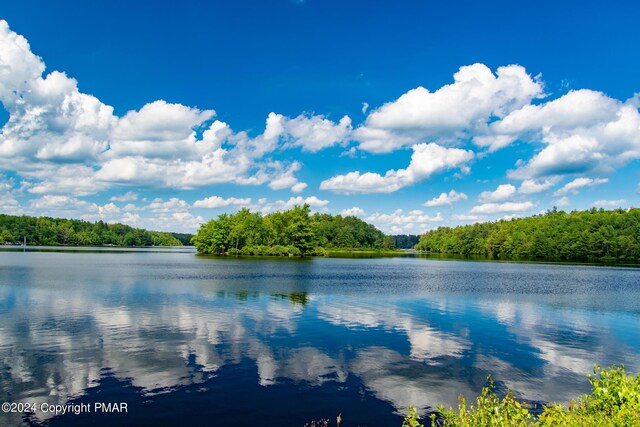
x: 53, y: 231
x: 580, y: 235
x: 292, y: 232
x: 184, y: 238
x: 405, y: 241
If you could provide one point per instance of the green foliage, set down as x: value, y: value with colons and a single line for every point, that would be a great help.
x: 489, y: 410
x: 319, y: 251
x: 614, y: 402
x: 405, y: 241
x: 6, y: 237
x: 299, y: 228
x: 54, y: 231
x: 184, y: 238
x: 412, y: 419
x: 161, y: 238
x: 388, y: 243
x: 345, y: 232
x: 585, y: 235
x: 290, y: 233
x: 214, y: 236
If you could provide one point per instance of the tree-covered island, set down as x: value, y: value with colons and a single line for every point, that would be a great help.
x: 294, y: 232
x: 45, y: 231
x: 593, y: 235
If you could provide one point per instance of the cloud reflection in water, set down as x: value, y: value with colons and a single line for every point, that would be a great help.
x: 60, y: 335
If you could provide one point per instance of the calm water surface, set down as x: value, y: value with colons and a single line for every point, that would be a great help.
x: 188, y: 340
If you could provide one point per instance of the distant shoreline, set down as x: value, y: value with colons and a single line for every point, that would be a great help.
x: 19, y: 245
x: 337, y: 254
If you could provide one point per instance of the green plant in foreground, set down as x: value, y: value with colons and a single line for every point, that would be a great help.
x: 489, y: 410
x: 412, y: 419
x: 614, y: 402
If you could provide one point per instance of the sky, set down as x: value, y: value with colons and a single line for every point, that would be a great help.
x: 410, y: 115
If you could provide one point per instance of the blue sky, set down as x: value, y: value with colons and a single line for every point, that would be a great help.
x: 410, y: 115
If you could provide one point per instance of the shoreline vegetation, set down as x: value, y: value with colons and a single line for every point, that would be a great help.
x: 45, y: 231
x: 614, y: 401
x: 593, y: 235
x: 294, y: 232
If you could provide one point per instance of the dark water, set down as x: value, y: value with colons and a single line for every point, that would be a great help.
x: 186, y: 340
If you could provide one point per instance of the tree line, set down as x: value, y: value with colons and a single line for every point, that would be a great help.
x: 47, y: 231
x: 291, y: 232
x: 184, y: 238
x: 405, y: 241
x: 556, y: 235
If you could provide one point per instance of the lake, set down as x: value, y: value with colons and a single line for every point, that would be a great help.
x: 186, y: 340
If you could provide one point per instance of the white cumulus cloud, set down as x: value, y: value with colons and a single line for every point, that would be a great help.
x: 171, y: 205
x: 354, y: 211
x: 314, y: 133
x: 531, y: 186
x: 579, y: 183
x: 166, y: 145
x: 314, y: 202
x: 454, y: 111
x: 493, y: 208
x: 562, y: 202
x: 503, y: 192
x: 287, y: 180
x: 50, y: 119
x: 427, y: 159
x: 610, y: 203
x: 129, y: 196
x: 401, y: 222
x: 446, y: 199
x: 583, y: 131
x: 466, y: 217
x: 218, y: 202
